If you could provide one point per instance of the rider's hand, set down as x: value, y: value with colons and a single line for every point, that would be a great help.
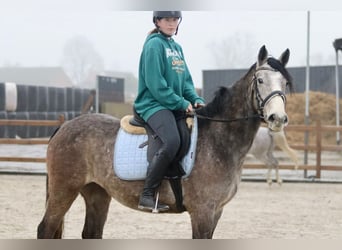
x: 189, y: 108
x: 199, y: 105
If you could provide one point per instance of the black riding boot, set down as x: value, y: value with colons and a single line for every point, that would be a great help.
x: 155, y: 174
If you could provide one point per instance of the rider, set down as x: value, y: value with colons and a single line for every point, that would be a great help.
x: 165, y: 87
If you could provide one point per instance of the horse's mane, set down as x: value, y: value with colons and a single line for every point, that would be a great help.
x: 54, y: 132
x: 217, y: 104
x: 222, y: 97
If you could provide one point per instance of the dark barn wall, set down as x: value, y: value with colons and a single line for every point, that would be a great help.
x: 322, y: 78
x: 40, y: 103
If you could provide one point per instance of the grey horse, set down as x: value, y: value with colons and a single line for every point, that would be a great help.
x: 80, y: 155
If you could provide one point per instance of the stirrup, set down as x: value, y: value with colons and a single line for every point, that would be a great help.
x: 155, y: 209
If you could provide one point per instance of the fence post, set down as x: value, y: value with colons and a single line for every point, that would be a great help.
x: 61, y: 119
x: 318, y: 148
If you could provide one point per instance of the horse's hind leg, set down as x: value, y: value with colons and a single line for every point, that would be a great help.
x: 58, y: 204
x: 97, y: 203
x: 50, y: 229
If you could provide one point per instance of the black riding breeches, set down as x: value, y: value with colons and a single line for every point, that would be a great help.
x: 164, y: 124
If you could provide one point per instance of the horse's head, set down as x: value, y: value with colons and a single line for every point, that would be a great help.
x: 270, y: 81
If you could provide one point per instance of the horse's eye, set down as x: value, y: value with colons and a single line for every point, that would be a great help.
x: 260, y: 80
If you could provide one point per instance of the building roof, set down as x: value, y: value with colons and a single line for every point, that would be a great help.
x: 42, y: 76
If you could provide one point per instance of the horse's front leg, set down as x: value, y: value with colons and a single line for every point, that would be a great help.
x: 269, y: 175
x: 279, y: 180
x: 204, y: 221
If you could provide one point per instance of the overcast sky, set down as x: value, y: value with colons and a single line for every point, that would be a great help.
x: 34, y: 32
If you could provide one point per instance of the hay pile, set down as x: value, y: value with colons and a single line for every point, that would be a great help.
x: 322, y: 107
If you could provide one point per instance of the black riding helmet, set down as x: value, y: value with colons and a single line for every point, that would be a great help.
x: 161, y: 14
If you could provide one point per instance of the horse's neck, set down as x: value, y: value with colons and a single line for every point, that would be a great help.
x: 236, y: 136
x: 242, y: 105
x: 241, y: 100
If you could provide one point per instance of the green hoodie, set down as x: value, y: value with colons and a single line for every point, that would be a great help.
x: 164, y: 78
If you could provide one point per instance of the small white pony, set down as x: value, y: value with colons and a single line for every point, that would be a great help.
x: 263, y: 147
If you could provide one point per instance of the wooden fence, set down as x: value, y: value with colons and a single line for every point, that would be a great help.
x: 318, y: 148
x: 56, y: 123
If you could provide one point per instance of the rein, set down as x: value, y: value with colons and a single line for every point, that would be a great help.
x: 226, y: 120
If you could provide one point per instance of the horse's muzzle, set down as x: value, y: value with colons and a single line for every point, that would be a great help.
x: 277, y: 123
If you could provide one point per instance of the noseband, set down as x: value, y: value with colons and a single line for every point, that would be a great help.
x: 262, y: 102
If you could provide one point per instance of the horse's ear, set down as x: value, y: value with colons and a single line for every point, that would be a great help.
x: 284, y: 58
x: 262, y: 57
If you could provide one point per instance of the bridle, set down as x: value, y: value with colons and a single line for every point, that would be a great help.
x: 260, y: 101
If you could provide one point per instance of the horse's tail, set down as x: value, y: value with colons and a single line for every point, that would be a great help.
x: 281, y: 141
x: 47, y: 189
x: 47, y: 175
x: 54, y: 132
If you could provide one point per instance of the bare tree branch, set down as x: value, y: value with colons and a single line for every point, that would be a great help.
x: 235, y: 51
x: 80, y: 59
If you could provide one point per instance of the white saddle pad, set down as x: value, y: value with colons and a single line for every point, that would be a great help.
x: 130, y: 161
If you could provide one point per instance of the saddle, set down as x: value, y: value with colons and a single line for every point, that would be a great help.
x: 135, y: 125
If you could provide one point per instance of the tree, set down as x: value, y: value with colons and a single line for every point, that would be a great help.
x: 81, y: 60
x: 235, y: 51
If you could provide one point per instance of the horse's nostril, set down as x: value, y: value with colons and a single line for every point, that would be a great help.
x: 272, y: 118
